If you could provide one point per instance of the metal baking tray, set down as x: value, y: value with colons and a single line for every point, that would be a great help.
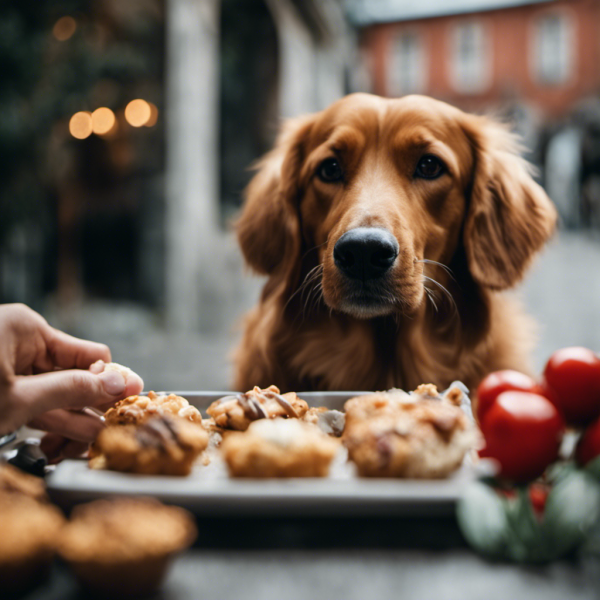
x: 209, y: 490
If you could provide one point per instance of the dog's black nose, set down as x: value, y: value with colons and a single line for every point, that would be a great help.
x: 365, y: 252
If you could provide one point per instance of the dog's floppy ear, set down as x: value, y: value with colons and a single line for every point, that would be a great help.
x: 268, y: 228
x: 509, y: 216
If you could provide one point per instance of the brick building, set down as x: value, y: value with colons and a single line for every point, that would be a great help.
x: 480, y: 53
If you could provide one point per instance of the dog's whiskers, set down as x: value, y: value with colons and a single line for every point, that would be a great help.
x: 445, y: 292
x: 430, y: 295
x: 438, y: 264
x: 314, y: 274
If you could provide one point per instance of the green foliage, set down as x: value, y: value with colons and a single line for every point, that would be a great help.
x: 506, y: 527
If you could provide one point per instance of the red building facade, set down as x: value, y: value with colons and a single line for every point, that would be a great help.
x: 543, y: 53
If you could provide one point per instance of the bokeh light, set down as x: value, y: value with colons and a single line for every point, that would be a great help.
x: 138, y: 113
x: 151, y: 122
x: 80, y: 125
x: 64, y: 28
x: 103, y: 120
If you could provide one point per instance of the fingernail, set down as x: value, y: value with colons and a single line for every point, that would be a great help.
x: 113, y: 382
x: 135, y: 384
x: 97, y: 367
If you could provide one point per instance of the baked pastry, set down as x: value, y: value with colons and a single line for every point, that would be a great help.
x: 123, y: 546
x: 279, y: 448
x: 331, y: 422
x: 138, y: 409
x: 159, y: 446
x: 239, y: 410
x: 13, y: 480
x: 362, y: 408
x: 28, y: 540
x: 418, y: 435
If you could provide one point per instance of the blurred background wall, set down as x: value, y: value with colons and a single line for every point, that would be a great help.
x: 127, y: 130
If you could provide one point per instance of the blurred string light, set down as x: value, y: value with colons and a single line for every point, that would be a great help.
x: 151, y: 122
x: 138, y: 113
x: 64, y: 28
x: 80, y: 125
x: 103, y: 120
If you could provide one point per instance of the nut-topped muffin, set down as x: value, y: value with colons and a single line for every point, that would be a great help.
x: 124, y: 545
x: 159, y: 446
x: 422, y: 435
x: 279, y: 448
x: 138, y: 409
x: 239, y: 410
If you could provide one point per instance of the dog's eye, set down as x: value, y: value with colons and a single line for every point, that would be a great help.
x: 330, y: 170
x: 430, y: 167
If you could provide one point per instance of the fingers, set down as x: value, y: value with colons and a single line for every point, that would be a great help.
x: 134, y: 383
x: 75, y: 426
x: 33, y: 395
x: 68, y: 352
x: 56, y: 447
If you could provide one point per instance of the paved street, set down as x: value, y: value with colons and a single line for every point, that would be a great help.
x: 562, y: 292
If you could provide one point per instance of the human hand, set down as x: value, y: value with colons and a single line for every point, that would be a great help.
x: 44, y: 374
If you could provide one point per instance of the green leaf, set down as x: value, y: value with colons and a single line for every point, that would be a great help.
x: 572, y: 508
x: 525, y: 537
x: 482, y: 519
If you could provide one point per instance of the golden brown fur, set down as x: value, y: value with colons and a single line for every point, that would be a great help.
x: 484, y: 219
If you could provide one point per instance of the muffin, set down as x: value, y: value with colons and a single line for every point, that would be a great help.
x: 138, y: 409
x: 123, y: 546
x: 29, y: 530
x: 239, y: 410
x: 159, y: 446
x: 279, y: 448
x: 13, y: 480
x: 421, y: 435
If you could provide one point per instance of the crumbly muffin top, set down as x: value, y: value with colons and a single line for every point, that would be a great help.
x: 423, y: 434
x: 138, y: 409
x: 27, y: 527
x: 125, y: 529
x: 285, y: 432
x: 239, y: 410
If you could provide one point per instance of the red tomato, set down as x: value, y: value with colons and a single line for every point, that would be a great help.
x: 572, y: 381
x: 498, y: 382
x: 588, y: 446
x: 522, y: 432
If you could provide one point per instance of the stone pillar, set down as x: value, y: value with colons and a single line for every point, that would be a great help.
x: 296, y: 60
x: 192, y: 154
x: 311, y: 70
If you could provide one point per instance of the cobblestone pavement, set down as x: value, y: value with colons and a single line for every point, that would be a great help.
x: 562, y: 291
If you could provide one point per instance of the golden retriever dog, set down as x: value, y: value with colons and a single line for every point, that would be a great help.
x: 388, y: 229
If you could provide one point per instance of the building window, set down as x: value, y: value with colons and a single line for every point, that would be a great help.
x: 407, y: 73
x: 553, y: 49
x: 470, y: 58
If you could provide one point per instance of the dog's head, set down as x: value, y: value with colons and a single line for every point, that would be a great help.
x: 374, y: 189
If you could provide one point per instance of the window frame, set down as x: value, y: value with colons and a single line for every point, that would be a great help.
x: 481, y: 80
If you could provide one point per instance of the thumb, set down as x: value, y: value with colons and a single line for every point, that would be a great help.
x: 32, y: 395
